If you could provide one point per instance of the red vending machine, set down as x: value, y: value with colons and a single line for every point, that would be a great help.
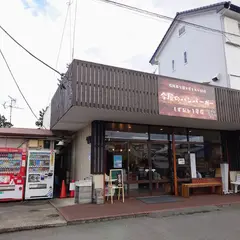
x: 12, y: 173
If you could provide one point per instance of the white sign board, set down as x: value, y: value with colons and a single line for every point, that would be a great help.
x: 193, y: 165
x: 71, y: 186
x: 181, y: 161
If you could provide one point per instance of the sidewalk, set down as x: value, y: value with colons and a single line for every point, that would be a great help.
x: 134, y: 208
x: 19, y: 216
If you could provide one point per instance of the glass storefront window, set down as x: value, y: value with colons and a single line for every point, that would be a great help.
x: 183, y: 162
x: 159, y: 133
x: 208, y: 158
x: 117, y: 158
x: 148, y: 162
x: 126, y: 131
x: 198, y: 135
x: 180, y: 135
x: 161, y: 157
x: 138, y: 177
x: 116, y: 149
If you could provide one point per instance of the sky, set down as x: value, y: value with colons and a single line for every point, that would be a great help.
x: 104, y: 34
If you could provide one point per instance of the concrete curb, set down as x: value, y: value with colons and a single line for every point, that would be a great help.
x: 157, y: 214
x: 33, y: 227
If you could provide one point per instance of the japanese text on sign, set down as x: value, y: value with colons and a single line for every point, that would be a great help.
x: 186, y: 99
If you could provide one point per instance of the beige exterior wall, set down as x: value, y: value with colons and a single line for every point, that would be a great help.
x: 9, y: 142
x: 73, y: 160
x: 81, y: 161
x: 13, y: 143
x: 81, y: 158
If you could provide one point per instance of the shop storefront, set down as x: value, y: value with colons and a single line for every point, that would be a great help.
x: 156, y: 159
x: 162, y: 132
x: 147, y: 154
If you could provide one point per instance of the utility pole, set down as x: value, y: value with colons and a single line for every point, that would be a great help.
x: 11, y: 104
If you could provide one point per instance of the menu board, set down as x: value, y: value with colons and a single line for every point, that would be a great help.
x: 117, y: 175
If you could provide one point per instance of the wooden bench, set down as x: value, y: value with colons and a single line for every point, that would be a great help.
x: 214, y: 183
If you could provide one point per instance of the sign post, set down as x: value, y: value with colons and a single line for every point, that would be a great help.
x: 116, y: 182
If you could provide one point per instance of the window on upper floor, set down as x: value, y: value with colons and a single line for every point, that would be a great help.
x: 181, y: 31
x: 185, y: 57
x: 173, y: 65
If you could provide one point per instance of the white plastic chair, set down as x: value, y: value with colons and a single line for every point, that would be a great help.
x: 236, y: 183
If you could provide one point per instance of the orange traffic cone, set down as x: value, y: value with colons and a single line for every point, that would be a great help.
x: 63, y: 190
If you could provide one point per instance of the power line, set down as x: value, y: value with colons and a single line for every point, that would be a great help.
x: 31, y: 54
x: 70, y: 27
x: 74, y: 29
x: 16, y: 83
x: 156, y: 15
x: 60, y: 45
x: 61, y: 42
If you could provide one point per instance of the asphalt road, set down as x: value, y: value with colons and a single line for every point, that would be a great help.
x: 218, y: 225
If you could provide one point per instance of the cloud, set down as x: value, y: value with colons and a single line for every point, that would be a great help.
x: 139, y: 62
x: 104, y: 33
x: 37, y: 7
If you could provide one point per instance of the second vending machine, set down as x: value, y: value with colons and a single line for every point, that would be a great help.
x: 40, y: 174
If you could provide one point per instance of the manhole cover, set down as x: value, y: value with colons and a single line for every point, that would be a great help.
x: 34, y: 210
x: 53, y: 215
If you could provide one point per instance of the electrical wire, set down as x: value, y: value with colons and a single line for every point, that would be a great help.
x: 60, y: 45
x: 156, y: 15
x: 74, y: 30
x: 31, y: 54
x: 63, y: 32
x: 16, y: 83
x: 70, y: 27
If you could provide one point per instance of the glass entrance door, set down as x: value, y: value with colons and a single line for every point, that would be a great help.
x: 161, y: 160
x: 139, y: 174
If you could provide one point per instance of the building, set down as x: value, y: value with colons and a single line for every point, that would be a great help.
x: 37, y: 140
x: 148, y: 122
x: 202, y: 54
x: 47, y: 117
x: 20, y: 137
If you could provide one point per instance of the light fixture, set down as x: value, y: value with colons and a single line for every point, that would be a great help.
x: 161, y: 129
x: 121, y: 150
x: 216, y: 77
x: 60, y: 143
x: 129, y: 150
x: 113, y: 149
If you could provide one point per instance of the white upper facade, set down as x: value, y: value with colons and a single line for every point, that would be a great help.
x: 47, y: 117
x: 191, y: 52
